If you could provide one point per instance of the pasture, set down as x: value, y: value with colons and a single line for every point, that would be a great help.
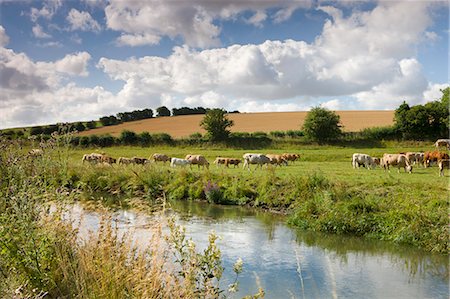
x: 320, y: 192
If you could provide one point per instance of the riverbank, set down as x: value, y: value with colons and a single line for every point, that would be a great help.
x: 325, y: 196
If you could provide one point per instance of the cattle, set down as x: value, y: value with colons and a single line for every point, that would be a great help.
x: 125, y: 161
x: 139, y: 160
x: 442, y: 142
x: 198, y: 160
x: 107, y: 159
x: 362, y: 159
x: 443, y: 164
x: 258, y: 159
x: 227, y: 161
x: 433, y: 157
x: 35, y: 152
x: 160, y: 158
x: 376, y: 161
x: 174, y: 162
x: 92, y: 158
x: 290, y: 157
x: 398, y: 160
x: 277, y: 159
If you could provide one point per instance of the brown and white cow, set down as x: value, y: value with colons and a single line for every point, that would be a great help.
x: 227, y: 161
x: 443, y: 164
x: 198, y: 160
x: 291, y: 157
x: 258, y: 159
x: 434, y: 157
x: 398, y: 160
x: 277, y: 159
x: 160, y: 158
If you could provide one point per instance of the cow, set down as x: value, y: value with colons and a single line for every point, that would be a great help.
x: 227, y: 161
x: 92, y: 158
x: 444, y: 163
x: 398, y: 160
x: 290, y: 157
x: 174, y: 162
x: 362, y: 159
x: 198, y: 160
x: 277, y: 159
x: 258, y: 159
x: 125, y: 161
x: 107, y: 159
x: 160, y: 158
x: 376, y: 161
x: 435, y: 156
x: 139, y: 160
x: 442, y: 142
x: 35, y: 152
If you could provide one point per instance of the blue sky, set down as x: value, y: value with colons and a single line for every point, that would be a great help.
x: 79, y: 60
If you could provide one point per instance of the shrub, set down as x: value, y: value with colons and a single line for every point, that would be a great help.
x: 128, y: 137
x: 322, y: 125
x: 277, y: 134
x: 145, y: 139
x: 162, y: 138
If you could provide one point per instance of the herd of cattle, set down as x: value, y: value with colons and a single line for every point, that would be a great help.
x: 198, y: 160
x: 401, y: 160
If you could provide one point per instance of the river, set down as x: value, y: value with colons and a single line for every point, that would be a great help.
x: 290, y: 263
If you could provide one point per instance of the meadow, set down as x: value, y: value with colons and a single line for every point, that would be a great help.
x: 321, y: 192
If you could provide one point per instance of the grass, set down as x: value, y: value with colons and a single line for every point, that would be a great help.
x: 42, y: 257
x: 321, y: 192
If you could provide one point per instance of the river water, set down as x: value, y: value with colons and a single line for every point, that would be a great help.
x: 290, y: 263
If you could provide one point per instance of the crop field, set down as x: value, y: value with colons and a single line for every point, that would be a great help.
x: 185, y: 125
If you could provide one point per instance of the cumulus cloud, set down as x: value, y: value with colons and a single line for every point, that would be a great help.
x: 39, y: 32
x: 82, y: 20
x: 360, y: 55
x: 47, y: 11
x: 32, y: 92
x: 138, y: 39
x: 151, y: 20
x: 4, y: 38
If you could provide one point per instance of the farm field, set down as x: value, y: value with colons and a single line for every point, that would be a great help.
x: 185, y: 125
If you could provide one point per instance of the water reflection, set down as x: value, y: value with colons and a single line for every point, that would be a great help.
x: 290, y: 263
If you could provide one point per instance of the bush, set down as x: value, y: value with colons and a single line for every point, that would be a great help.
x: 105, y: 140
x: 322, y: 125
x: 259, y: 134
x: 216, y: 124
x: 128, y: 137
x: 380, y: 133
x: 145, y: 139
x: 162, y: 138
x: 277, y: 134
x: 84, y: 141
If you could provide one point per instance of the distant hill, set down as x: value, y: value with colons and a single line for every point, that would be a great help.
x: 185, y: 125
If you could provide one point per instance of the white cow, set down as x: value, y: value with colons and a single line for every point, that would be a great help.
x: 174, y: 162
x: 258, y: 159
x: 442, y: 142
x: 399, y: 160
x: 363, y: 159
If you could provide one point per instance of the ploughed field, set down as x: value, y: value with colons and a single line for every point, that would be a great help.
x: 185, y: 125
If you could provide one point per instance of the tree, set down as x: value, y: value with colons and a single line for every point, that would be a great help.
x: 427, y: 121
x: 162, y: 111
x: 322, y: 124
x: 216, y: 124
x: 91, y: 124
x: 79, y: 126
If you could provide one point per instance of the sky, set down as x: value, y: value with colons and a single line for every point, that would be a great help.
x: 64, y: 61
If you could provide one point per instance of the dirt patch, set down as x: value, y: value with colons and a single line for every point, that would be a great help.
x: 185, y: 125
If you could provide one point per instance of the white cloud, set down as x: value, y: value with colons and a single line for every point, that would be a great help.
x: 433, y: 92
x: 137, y: 39
x: 193, y: 21
x: 359, y: 55
x: 4, y: 38
x: 334, y: 104
x: 47, y: 11
x: 39, y: 32
x: 82, y: 20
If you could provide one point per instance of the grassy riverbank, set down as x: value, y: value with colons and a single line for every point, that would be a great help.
x: 42, y: 256
x: 321, y: 192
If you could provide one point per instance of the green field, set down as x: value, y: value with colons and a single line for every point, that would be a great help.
x: 321, y: 192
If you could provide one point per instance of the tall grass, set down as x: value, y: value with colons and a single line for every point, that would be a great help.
x: 42, y: 256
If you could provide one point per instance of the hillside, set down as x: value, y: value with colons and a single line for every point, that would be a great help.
x: 184, y: 125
